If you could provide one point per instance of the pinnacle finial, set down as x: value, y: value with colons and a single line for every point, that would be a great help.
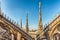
x: 27, y: 15
x: 39, y: 4
x: 0, y: 6
x: 27, y: 29
x: 40, y: 14
x: 21, y: 23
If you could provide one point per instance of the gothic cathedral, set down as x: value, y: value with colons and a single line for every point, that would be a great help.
x: 10, y: 30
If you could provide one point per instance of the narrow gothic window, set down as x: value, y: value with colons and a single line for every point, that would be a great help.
x: 56, y: 37
x: 4, y: 34
x: 58, y: 28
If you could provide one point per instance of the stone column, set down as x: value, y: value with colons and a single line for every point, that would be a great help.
x: 23, y: 39
x: 19, y: 36
x: 12, y: 37
x: 58, y: 38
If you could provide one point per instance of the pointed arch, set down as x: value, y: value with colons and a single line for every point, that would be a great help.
x: 54, y: 27
x: 56, y: 36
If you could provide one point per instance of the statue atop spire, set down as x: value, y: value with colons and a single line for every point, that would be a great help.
x: 40, y: 14
x: 27, y: 29
x: 40, y: 19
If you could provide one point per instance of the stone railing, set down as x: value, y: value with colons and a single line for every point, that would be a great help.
x: 14, y: 25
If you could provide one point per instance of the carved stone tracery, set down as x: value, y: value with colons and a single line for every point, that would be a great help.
x: 5, y: 33
x: 56, y: 36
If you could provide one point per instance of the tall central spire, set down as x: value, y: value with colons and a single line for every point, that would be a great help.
x: 40, y: 19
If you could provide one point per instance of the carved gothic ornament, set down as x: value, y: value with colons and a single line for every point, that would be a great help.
x: 58, y: 28
x: 56, y: 36
x: 5, y: 33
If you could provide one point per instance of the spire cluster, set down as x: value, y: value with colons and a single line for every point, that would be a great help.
x: 27, y: 28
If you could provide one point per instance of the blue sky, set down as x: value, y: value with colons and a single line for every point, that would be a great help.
x: 17, y: 9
